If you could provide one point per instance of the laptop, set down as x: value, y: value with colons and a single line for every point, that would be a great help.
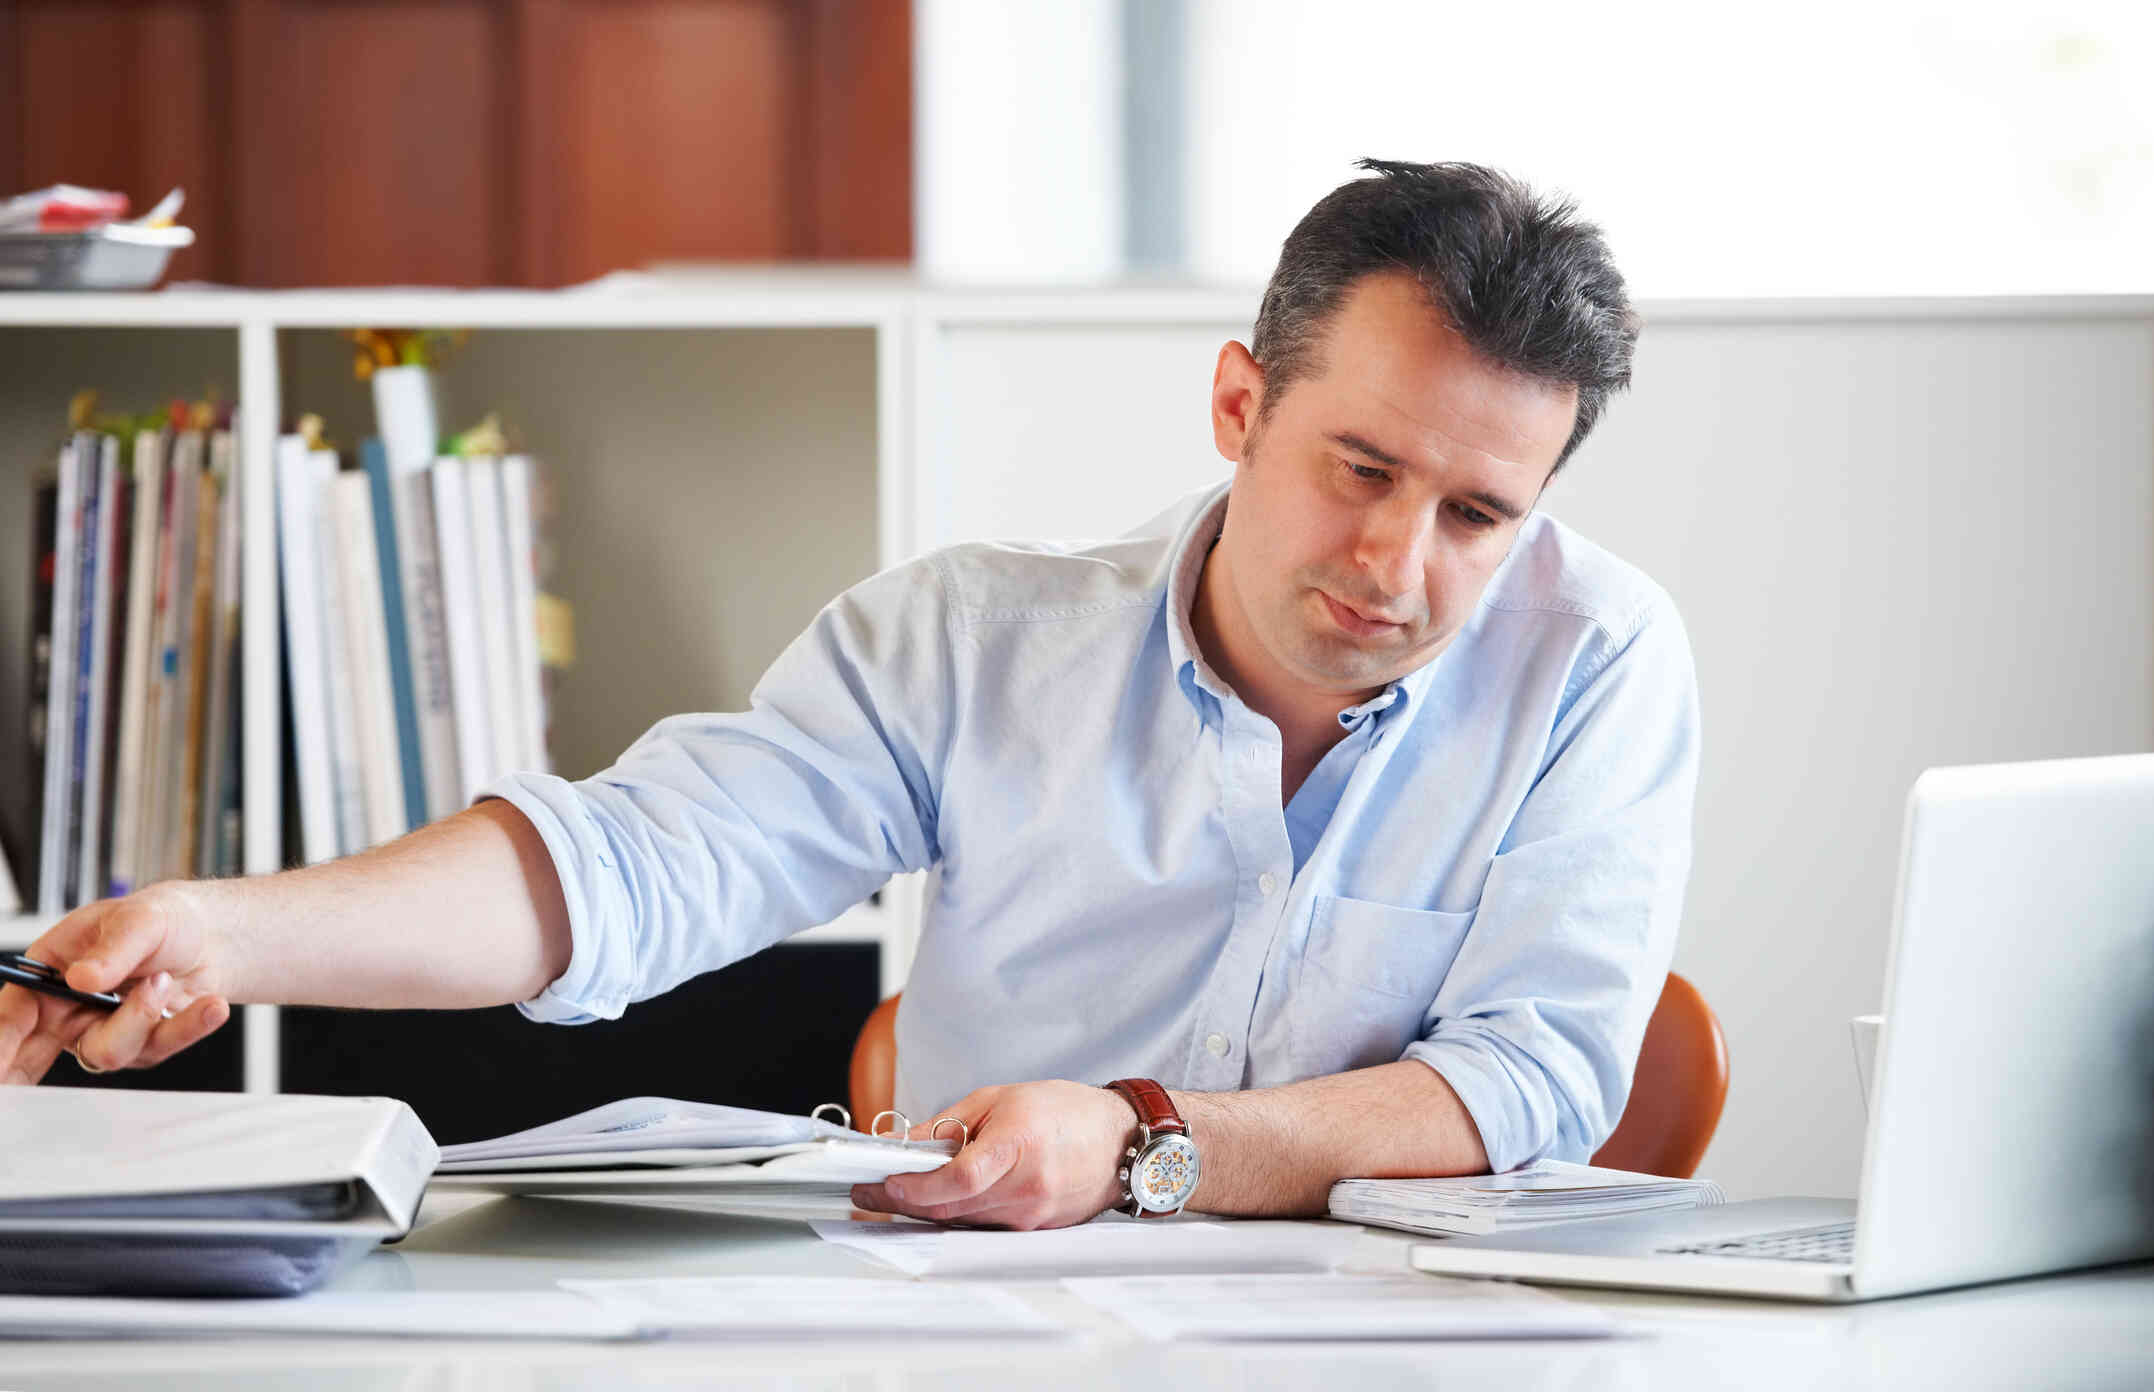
x: 2013, y: 1116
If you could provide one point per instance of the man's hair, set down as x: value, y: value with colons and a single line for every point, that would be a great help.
x: 1526, y: 282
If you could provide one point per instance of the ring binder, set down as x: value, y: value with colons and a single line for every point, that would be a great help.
x: 964, y: 1132
x: 845, y: 1117
x: 897, y: 1133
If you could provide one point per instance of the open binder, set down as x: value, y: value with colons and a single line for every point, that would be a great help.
x: 736, y: 1158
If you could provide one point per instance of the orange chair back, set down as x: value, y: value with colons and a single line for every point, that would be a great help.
x: 1675, y: 1100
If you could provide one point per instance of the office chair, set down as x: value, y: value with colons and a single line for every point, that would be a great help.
x: 1676, y: 1094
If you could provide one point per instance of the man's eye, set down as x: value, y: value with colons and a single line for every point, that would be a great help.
x: 1368, y: 473
x: 1475, y: 517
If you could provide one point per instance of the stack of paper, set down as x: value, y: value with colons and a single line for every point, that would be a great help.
x: 1547, y: 1191
x: 1337, y: 1307
x: 729, y: 1157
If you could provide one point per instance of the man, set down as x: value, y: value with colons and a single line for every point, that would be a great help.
x: 1350, y: 801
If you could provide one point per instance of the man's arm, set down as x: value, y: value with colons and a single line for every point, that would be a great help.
x: 1047, y: 1153
x: 466, y: 912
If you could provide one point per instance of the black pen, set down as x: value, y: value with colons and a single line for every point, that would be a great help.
x: 28, y: 971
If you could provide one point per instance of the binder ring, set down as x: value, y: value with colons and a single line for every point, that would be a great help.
x: 904, y: 1126
x: 964, y: 1132
x: 845, y: 1118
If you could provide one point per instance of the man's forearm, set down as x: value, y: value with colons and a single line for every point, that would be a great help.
x: 1277, y: 1151
x: 466, y: 912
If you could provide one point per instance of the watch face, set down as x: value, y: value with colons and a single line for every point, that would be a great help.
x: 1165, y: 1175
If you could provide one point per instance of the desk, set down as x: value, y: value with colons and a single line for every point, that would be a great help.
x: 2090, y: 1330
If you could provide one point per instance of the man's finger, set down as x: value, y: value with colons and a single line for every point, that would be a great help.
x: 129, y: 937
x: 116, y: 1041
x: 970, y: 1109
x: 184, y: 1030
x: 46, y: 1028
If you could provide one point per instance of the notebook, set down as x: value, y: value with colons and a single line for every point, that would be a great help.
x: 1547, y: 1191
x: 735, y: 1158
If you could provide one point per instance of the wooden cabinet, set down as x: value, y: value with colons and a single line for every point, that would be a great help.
x: 474, y: 142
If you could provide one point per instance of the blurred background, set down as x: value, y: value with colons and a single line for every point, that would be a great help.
x: 1898, y: 147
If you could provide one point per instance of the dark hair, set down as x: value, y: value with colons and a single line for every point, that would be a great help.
x: 1524, y: 280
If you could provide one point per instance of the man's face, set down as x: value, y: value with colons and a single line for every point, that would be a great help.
x: 1386, y: 485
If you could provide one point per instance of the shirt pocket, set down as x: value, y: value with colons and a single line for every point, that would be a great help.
x: 1367, y: 977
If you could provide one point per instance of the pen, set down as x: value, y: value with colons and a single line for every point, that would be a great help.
x: 28, y: 971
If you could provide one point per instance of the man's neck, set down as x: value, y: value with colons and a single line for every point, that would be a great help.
x: 1308, y: 720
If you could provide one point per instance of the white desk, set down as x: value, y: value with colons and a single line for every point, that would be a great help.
x: 2092, y: 1330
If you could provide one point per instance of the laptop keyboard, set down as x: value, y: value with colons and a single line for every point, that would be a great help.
x: 1832, y: 1243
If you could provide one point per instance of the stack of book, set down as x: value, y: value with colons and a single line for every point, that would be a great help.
x: 412, y: 629
x: 135, y: 713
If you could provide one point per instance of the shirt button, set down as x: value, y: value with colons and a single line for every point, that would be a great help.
x: 1267, y: 882
x: 1217, y: 1043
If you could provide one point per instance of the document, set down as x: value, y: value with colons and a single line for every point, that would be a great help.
x: 1279, y: 1307
x: 816, y: 1306
x: 407, y: 1314
x: 1105, y: 1246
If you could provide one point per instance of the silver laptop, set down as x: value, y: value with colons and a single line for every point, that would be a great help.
x: 2012, y: 1127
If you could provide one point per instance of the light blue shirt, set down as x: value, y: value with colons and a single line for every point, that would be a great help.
x: 1485, y: 874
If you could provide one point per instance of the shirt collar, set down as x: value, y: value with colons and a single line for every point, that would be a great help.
x: 1195, y: 676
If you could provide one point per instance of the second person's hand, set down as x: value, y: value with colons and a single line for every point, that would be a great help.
x: 157, y: 948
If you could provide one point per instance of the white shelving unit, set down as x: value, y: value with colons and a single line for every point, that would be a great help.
x: 287, y: 357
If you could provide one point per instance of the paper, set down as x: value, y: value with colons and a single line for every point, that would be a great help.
x: 1548, y: 1191
x: 1337, y: 1307
x: 441, y: 1314
x: 776, y: 1306
x: 1104, y: 1246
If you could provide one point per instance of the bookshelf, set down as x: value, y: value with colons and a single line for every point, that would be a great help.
x: 724, y: 462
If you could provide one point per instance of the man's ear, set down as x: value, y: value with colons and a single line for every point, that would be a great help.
x: 1237, y: 394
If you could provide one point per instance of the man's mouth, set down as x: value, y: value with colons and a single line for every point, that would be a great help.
x: 1354, y: 621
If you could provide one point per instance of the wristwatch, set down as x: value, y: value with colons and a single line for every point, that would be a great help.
x: 1160, y: 1171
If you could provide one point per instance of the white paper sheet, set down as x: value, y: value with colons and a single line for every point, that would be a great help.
x: 438, y: 1314
x: 1337, y: 1307
x: 818, y: 1306
x: 1104, y: 1246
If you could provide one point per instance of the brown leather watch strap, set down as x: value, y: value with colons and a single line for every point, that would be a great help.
x: 1153, y: 1106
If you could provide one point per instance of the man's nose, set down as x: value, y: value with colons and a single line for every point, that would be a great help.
x: 1394, y: 551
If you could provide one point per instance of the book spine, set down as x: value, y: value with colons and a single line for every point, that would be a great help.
x: 177, y: 673
x: 305, y: 661
x: 81, y: 735
x: 134, y: 669
x: 106, y: 568
x: 461, y: 625
x: 522, y: 553
x: 388, y: 543
x: 433, y: 691
x: 157, y: 704
x: 180, y: 852
x: 341, y: 696
x: 381, y: 766
x: 216, y: 718
x: 60, y: 686
x: 45, y: 503
x: 489, y: 559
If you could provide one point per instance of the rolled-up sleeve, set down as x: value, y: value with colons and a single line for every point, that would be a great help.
x: 716, y: 835
x: 1538, y: 1023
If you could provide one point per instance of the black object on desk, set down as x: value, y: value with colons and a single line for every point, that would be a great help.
x: 18, y: 970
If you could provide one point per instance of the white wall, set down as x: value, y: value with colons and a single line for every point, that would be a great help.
x: 1897, y: 541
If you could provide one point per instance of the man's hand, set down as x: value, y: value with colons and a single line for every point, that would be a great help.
x: 158, y: 948
x: 1041, y: 1155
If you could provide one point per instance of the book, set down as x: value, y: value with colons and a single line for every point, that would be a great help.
x: 522, y: 556
x: 174, y: 673
x: 59, y: 685
x: 341, y: 701
x: 44, y: 566
x: 104, y: 569
x: 381, y: 770
x: 461, y: 625
x: 406, y: 414
x: 490, y: 566
x: 149, y: 476
x: 1547, y: 1191
x: 195, y: 663
x: 219, y: 729
x: 305, y: 644
x: 389, y: 546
